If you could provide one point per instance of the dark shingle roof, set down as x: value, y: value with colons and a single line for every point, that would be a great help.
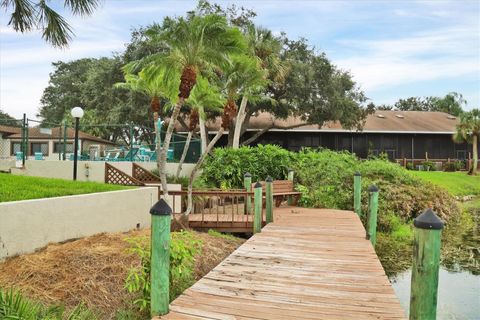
x: 380, y: 121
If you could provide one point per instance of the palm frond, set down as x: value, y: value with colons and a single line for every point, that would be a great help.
x: 82, y: 7
x: 23, y: 15
x: 56, y: 30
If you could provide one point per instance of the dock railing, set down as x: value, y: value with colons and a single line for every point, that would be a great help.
x: 217, y: 209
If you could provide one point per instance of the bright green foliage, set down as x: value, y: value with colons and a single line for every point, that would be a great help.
x: 15, y: 306
x: 227, y: 166
x: 217, y: 234
x: 15, y: 188
x: 457, y: 183
x: 325, y: 179
x: 183, y: 248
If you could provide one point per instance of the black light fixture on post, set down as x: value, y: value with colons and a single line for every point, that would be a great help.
x: 77, y: 113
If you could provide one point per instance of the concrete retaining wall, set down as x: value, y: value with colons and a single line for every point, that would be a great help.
x: 32, y: 224
x: 87, y: 170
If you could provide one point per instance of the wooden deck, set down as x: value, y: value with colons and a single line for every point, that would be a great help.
x: 308, y: 264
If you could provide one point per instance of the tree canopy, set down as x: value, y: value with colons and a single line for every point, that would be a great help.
x: 452, y: 103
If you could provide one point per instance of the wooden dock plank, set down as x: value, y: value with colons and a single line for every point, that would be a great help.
x: 308, y: 264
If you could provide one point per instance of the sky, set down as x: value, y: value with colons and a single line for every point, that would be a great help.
x: 393, y: 49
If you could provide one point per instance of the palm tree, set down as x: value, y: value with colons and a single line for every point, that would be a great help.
x: 157, y: 87
x: 27, y: 15
x: 203, y: 98
x: 196, y: 44
x: 468, y: 130
x: 266, y: 48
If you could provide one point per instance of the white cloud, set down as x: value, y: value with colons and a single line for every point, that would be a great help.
x: 445, y: 53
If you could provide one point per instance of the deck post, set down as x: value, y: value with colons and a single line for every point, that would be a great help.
x: 372, y: 214
x: 257, y: 219
x: 161, y: 215
x: 290, y: 177
x: 247, y: 183
x: 269, y: 199
x: 357, y: 193
x: 426, y: 259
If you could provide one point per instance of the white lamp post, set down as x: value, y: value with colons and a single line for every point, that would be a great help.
x: 77, y: 113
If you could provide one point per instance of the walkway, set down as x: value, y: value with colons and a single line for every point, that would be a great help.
x: 308, y: 264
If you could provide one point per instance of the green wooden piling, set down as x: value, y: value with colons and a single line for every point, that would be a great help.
x: 247, y: 182
x: 161, y: 215
x: 269, y: 199
x: 426, y: 259
x: 290, y: 177
x: 257, y: 219
x: 357, y: 193
x: 372, y: 214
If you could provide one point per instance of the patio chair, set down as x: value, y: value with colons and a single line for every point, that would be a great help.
x: 39, y: 156
x: 130, y: 156
x: 109, y: 156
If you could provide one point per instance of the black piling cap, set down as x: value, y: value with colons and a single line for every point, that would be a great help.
x: 161, y: 208
x: 269, y: 179
x: 373, y: 188
x: 247, y: 175
x: 428, y: 220
x: 258, y: 185
x: 358, y: 174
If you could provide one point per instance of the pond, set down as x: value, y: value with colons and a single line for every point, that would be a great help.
x: 458, y: 294
x: 459, y: 276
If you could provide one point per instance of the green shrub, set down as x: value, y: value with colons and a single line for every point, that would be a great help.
x: 450, y: 167
x: 183, y: 248
x: 226, y: 167
x: 325, y: 179
x: 428, y: 166
x: 14, y: 305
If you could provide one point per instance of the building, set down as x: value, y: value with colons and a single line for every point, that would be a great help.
x: 49, y: 142
x: 399, y: 134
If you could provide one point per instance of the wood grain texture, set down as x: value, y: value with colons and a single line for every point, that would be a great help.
x: 308, y: 264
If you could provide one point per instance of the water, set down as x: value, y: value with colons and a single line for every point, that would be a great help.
x: 458, y: 294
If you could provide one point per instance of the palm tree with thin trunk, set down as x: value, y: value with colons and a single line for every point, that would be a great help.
x: 468, y: 130
x: 266, y: 48
x: 156, y: 88
x: 204, y: 98
x: 195, y: 44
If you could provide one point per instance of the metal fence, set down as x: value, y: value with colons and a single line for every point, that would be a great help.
x: 39, y: 140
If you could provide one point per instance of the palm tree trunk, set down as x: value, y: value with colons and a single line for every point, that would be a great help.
x: 157, y: 138
x: 475, y: 154
x: 203, y: 134
x: 197, y: 167
x: 166, y: 144
x: 238, y: 122
x: 184, y: 153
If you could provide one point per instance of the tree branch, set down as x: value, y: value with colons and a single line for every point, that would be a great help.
x: 272, y: 126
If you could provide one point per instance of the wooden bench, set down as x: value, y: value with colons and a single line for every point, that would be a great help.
x: 281, y: 189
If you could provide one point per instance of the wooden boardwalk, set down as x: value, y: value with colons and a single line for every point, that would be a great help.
x: 308, y: 264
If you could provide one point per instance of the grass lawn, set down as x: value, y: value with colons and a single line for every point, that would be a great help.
x: 457, y: 183
x: 14, y: 188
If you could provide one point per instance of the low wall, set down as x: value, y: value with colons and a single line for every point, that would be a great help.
x: 6, y: 164
x: 86, y: 170
x: 32, y: 224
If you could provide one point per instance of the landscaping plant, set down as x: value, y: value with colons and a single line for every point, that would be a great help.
x: 183, y: 247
